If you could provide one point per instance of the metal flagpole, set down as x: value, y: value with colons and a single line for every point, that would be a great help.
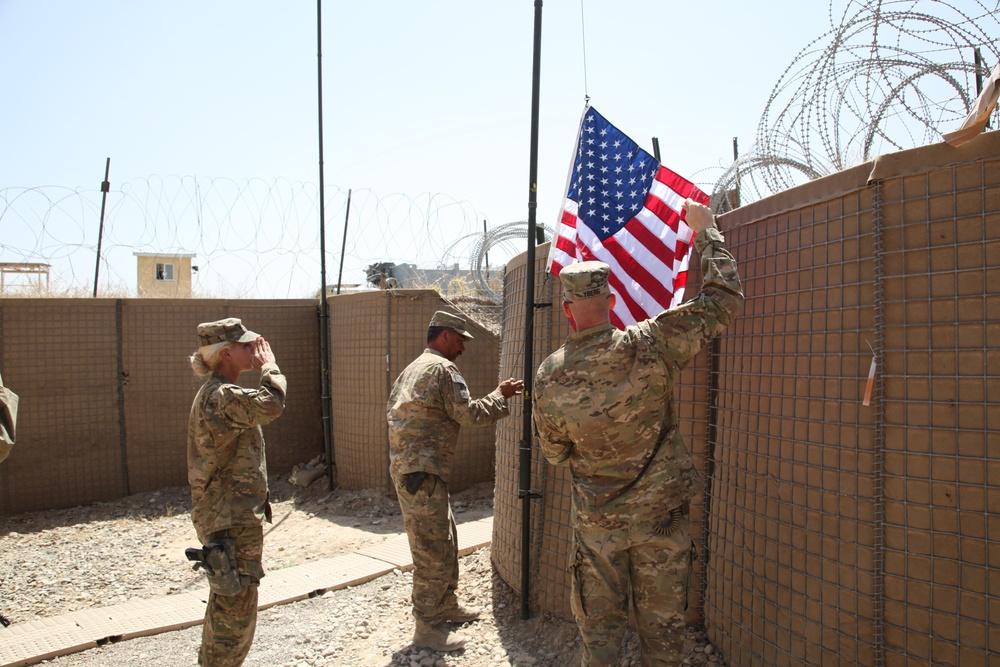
x: 324, y: 313
x: 524, y: 490
x: 105, y: 187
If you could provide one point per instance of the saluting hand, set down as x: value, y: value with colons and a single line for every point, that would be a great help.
x: 260, y: 351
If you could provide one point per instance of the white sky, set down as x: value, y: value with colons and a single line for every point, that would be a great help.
x: 419, y: 97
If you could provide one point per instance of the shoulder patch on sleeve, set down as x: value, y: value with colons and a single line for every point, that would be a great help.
x: 461, y: 388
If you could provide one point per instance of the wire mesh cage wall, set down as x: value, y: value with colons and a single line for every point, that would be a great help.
x: 550, y: 540
x: 106, y: 389
x: 791, y: 546
x: 375, y: 335
x: 837, y: 532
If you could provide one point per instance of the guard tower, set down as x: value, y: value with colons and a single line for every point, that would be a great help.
x: 161, y: 275
x: 24, y: 277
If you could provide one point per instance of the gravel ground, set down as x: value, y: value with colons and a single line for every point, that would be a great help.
x: 58, y: 561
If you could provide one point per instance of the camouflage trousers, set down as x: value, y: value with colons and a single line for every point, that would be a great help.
x: 230, y: 620
x: 614, y: 567
x: 430, y: 528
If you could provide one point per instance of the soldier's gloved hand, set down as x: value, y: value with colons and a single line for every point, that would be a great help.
x: 510, y: 387
x: 698, y: 216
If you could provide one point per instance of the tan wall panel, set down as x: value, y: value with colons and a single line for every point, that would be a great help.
x: 60, y: 357
x: 89, y: 430
x: 374, y: 336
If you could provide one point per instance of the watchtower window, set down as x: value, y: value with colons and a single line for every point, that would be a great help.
x: 164, y: 271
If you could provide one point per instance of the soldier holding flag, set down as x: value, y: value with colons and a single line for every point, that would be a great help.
x: 603, y: 405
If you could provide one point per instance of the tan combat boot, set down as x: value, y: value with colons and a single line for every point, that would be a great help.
x: 461, y: 614
x: 437, y: 637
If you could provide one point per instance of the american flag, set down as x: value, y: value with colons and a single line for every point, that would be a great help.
x: 624, y: 208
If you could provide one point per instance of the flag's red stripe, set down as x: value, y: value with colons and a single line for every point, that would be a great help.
x: 569, y: 219
x: 566, y: 245
x: 651, y: 241
x: 681, y: 185
x: 632, y: 270
x: 680, y: 281
x: 647, y: 281
x: 664, y: 213
x: 699, y: 196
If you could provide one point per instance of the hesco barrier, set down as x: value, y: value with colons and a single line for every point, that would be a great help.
x: 374, y: 336
x: 106, y: 388
x: 835, y: 532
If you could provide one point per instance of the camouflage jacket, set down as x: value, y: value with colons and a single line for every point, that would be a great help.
x: 604, y: 400
x: 429, y: 402
x: 227, y: 470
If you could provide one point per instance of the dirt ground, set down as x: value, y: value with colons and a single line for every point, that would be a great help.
x: 57, y: 561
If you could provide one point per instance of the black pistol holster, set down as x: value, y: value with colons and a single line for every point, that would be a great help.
x: 218, y: 559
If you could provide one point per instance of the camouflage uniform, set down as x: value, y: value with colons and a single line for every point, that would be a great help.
x: 429, y: 402
x: 227, y: 472
x: 604, y: 406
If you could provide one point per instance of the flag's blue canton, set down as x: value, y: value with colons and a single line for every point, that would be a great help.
x: 611, y: 176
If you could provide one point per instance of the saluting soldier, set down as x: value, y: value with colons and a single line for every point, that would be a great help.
x: 228, y: 476
x: 428, y: 403
x: 603, y: 405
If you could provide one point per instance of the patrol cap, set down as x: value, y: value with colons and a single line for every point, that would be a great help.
x: 450, y: 321
x: 584, y: 280
x: 230, y: 329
